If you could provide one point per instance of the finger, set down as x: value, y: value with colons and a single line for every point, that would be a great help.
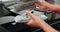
x: 43, y: 8
x: 34, y: 18
x: 31, y: 15
x: 29, y: 22
x: 40, y: 6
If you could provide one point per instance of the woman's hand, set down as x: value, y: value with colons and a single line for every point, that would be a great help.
x: 35, y: 22
x: 41, y: 7
x: 44, y: 6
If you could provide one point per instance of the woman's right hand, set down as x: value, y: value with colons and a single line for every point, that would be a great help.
x: 38, y: 23
x: 35, y: 22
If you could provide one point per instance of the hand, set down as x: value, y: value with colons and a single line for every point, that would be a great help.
x: 38, y: 23
x: 43, y: 8
x: 35, y: 22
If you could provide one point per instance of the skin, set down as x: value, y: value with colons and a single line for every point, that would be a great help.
x: 36, y: 22
x: 48, y: 7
